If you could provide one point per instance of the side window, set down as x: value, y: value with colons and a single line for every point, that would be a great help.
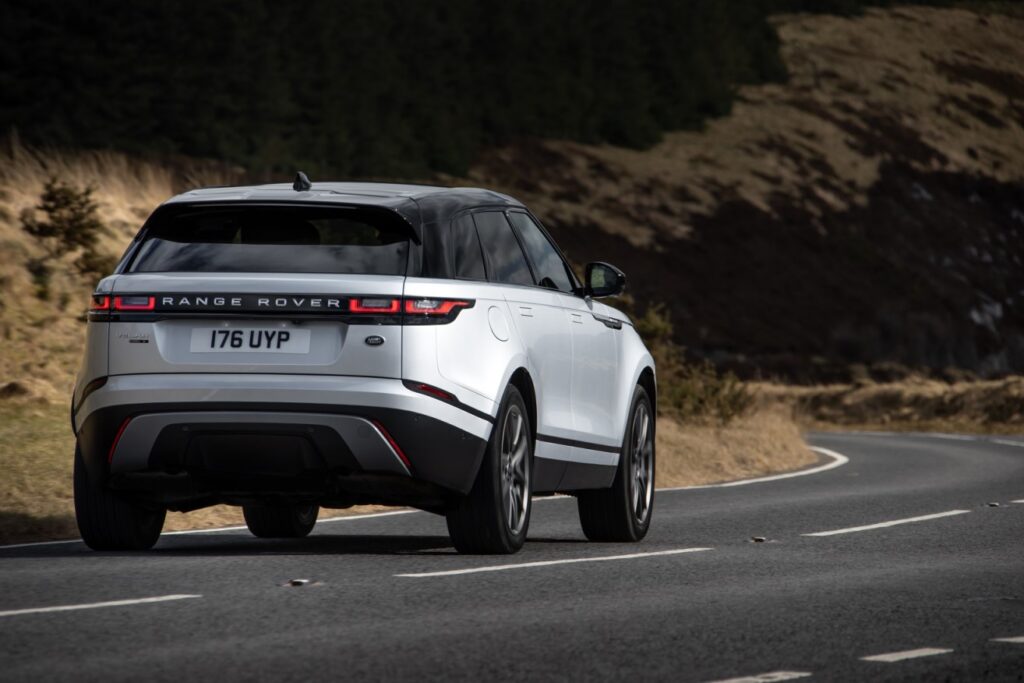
x: 505, y: 260
x: 469, y: 260
x: 550, y: 267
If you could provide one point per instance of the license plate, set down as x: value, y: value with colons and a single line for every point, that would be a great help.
x: 246, y: 339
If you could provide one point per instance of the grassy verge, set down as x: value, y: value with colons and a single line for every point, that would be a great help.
x: 914, y: 404
x: 36, y: 500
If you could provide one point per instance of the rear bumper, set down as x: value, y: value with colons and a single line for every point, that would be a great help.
x: 345, y: 429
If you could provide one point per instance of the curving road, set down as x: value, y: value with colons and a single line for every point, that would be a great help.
x: 892, y: 566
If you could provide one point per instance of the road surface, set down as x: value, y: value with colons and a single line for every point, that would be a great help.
x: 895, y: 565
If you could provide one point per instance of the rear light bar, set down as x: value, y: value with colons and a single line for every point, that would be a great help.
x: 375, y: 309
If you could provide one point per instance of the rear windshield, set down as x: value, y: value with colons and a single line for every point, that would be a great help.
x: 275, y: 240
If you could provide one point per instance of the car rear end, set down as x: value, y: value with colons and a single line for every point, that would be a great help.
x: 253, y: 351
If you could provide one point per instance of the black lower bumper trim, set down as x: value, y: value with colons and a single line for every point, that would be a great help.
x: 441, y: 455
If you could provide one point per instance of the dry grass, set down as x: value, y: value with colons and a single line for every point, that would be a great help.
x: 916, y: 404
x: 42, y: 338
x: 764, y: 442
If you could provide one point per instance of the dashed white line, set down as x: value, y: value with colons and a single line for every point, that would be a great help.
x: 767, y: 678
x: 882, y: 525
x: 890, y: 657
x: 1018, y: 501
x: 1019, y: 640
x: 838, y: 459
x: 548, y: 563
x: 95, y: 605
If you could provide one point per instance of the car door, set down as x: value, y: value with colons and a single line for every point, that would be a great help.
x: 540, y: 323
x: 593, y: 392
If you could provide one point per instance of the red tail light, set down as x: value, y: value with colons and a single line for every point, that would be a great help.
x: 100, y: 302
x: 117, y: 438
x: 374, y: 306
x: 134, y: 303
x: 430, y: 390
x: 391, y: 441
x: 433, y: 306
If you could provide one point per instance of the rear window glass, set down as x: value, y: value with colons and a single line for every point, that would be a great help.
x: 276, y: 240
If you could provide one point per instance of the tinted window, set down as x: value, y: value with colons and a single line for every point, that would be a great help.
x: 547, y: 264
x: 275, y: 240
x: 505, y: 260
x: 469, y: 260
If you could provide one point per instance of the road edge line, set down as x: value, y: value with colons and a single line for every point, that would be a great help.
x: 838, y: 460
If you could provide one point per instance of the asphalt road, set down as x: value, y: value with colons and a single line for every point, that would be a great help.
x: 793, y: 603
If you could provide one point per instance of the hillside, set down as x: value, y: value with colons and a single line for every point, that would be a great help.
x: 867, y: 212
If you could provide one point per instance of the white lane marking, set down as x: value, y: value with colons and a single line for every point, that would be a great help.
x: 890, y: 657
x: 1015, y: 639
x: 548, y: 563
x: 838, y: 459
x: 95, y: 605
x: 1018, y: 501
x: 767, y: 678
x: 216, y: 529
x: 951, y: 437
x: 882, y: 525
x: 1007, y: 442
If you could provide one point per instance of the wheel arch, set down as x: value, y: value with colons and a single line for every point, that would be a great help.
x: 647, y: 381
x: 522, y: 381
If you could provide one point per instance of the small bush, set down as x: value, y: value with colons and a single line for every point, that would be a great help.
x: 71, y: 224
x: 689, y: 391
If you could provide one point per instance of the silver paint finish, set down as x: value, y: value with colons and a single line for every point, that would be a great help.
x: 582, y: 371
x: 139, y: 391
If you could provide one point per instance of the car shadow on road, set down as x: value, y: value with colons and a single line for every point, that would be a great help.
x: 244, y: 545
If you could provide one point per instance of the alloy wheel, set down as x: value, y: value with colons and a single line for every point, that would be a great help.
x: 642, y: 463
x: 515, y: 470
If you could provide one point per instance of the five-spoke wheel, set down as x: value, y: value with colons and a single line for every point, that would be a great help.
x: 495, y: 516
x: 623, y: 512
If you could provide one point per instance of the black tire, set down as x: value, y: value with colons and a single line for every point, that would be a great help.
x: 107, y: 521
x: 280, y: 521
x: 615, y: 514
x: 480, y: 523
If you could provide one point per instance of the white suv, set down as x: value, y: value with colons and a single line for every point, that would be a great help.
x: 291, y: 347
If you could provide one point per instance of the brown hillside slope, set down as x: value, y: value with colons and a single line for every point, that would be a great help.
x: 870, y: 209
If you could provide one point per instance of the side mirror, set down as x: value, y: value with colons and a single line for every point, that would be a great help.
x: 603, y: 279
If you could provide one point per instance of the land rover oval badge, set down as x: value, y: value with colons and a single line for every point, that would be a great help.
x: 374, y: 340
